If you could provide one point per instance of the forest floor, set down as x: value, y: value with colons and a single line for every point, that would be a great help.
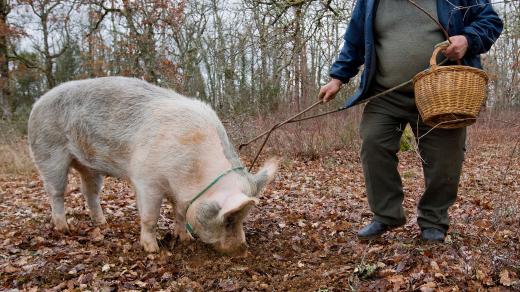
x: 302, y: 235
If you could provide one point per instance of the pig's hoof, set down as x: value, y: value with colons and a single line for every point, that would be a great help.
x: 98, y: 221
x: 150, y: 246
x: 61, y: 226
x: 183, y: 236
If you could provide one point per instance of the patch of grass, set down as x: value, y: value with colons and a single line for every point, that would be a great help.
x: 408, y: 174
x: 407, y: 139
x: 15, y: 158
x: 365, y: 271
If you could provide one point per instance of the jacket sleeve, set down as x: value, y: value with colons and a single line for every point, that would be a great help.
x: 352, y: 54
x: 483, y: 28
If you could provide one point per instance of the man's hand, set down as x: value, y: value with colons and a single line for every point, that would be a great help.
x: 328, y: 92
x: 457, y: 49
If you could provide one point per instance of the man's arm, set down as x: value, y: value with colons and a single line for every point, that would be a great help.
x: 351, y: 56
x: 483, y: 27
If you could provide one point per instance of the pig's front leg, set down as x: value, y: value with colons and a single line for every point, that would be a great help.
x: 180, y: 226
x: 149, y: 200
x: 180, y: 219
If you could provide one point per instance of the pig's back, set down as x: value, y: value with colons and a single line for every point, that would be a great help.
x: 96, y: 120
x: 101, y: 97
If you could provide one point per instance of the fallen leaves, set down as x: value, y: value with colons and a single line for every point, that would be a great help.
x: 10, y: 269
x: 428, y: 287
x: 96, y: 234
x: 484, y: 278
x: 76, y: 269
x: 505, y: 278
x: 301, y: 237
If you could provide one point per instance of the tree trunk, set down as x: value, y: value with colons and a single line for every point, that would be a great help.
x: 48, y: 66
x: 4, y: 63
x: 297, y: 57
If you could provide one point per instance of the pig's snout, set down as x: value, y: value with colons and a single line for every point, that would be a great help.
x: 235, y: 250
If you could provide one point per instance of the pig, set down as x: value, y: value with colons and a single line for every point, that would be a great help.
x: 166, y: 145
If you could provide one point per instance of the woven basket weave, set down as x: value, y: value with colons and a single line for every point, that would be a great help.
x: 449, y: 97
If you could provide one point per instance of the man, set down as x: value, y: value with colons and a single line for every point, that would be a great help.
x: 394, y: 40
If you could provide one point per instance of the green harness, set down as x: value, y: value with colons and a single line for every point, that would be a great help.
x: 189, y: 228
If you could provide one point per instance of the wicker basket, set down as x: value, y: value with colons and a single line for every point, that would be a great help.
x: 449, y: 96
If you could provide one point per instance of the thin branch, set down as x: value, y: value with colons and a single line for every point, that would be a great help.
x: 328, y: 7
x: 444, y: 123
x: 27, y: 63
x: 446, y: 35
x: 105, y: 13
x: 455, y: 7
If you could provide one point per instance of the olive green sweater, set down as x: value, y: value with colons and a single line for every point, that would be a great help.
x: 404, y: 40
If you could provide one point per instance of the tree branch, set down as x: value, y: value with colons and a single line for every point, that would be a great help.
x: 106, y: 11
x: 27, y: 63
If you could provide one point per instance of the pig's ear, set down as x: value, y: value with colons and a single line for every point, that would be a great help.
x: 237, y: 205
x: 266, y: 174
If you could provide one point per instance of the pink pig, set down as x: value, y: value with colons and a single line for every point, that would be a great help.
x: 166, y: 145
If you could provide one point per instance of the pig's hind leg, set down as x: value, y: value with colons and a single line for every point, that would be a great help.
x: 91, y: 184
x: 149, y: 200
x: 54, y: 171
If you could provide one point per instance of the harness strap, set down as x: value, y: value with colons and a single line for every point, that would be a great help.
x: 189, y: 228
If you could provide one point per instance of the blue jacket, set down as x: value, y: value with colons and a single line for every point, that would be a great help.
x: 479, y: 23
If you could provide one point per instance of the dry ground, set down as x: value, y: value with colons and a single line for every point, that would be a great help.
x: 301, y: 236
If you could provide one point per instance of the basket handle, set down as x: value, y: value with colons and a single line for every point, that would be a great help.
x: 438, y: 48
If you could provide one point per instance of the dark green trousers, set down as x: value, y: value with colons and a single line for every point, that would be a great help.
x: 383, y: 122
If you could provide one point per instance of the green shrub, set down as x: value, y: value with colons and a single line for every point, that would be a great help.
x: 407, y: 139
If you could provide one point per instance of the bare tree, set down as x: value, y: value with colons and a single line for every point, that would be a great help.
x: 248, y: 56
x: 143, y: 20
x: 5, y: 9
x: 52, y: 21
x: 503, y: 61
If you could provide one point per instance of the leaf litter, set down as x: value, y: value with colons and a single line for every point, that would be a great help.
x: 302, y: 236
